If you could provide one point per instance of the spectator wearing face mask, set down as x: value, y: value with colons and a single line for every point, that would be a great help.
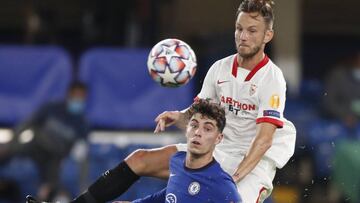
x: 48, y: 136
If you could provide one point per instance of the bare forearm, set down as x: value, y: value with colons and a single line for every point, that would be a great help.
x: 256, y: 152
x: 261, y: 144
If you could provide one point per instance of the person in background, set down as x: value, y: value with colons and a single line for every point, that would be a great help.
x: 48, y: 136
x: 343, y: 103
x: 343, y: 96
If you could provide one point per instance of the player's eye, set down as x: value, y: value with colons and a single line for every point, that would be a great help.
x: 208, y: 129
x: 193, y: 125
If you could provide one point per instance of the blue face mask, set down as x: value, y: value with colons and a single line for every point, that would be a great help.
x: 75, y: 106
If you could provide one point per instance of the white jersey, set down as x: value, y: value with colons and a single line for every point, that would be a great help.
x: 250, y: 97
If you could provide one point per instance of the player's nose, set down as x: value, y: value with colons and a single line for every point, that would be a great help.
x: 243, y: 36
x: 198, y: 132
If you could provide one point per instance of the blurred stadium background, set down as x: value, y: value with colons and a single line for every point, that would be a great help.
x: 44, y: 44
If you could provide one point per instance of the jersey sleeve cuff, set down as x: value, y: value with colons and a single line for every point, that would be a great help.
x: 276, y: 122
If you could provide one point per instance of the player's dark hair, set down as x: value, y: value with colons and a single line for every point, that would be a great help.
x: 263, y: 7
x: 210, y: 110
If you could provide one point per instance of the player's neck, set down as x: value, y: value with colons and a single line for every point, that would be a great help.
x: 250, y: 62
x: 196, y: 162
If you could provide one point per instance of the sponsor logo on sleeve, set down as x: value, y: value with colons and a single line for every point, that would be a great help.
x: 274, y: 101
x: 272, y: 113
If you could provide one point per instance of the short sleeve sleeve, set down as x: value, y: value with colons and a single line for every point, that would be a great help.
x: 272, y: 100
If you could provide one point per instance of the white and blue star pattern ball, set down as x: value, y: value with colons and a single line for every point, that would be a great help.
x: 172, y: 63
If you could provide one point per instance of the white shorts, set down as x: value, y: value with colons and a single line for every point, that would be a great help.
x: 257, y: 185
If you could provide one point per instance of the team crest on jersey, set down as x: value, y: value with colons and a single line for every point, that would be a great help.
x: 252, y: 90
x: 274, y: 101
x: 170, y: 198
x: 194, y: 188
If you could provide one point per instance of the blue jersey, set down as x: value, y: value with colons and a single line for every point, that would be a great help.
x: 209, y: 184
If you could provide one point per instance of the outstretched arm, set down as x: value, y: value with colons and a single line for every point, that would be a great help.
x: 262, y: 142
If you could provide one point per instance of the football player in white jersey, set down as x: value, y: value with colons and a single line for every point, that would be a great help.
x: 257, y: 138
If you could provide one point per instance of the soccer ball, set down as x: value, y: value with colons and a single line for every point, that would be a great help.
x: 171, y: 63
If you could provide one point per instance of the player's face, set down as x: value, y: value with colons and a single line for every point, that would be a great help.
x: 251, y: 34
x: 202, y: 135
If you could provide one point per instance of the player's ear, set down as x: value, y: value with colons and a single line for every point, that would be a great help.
x: 269, y: 34
x: 219, y: 138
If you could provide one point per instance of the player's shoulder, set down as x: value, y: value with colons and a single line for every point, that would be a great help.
x: 224, y: 62
x: 180, y: 155
x: 227, y: 187
x: 272, y: 67
x: 225, y: 176
x: 177, y: 160
x: 273, y: 72
x: 219, y: 171
x: 228, y: 60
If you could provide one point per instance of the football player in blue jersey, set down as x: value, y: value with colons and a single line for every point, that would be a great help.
x: 195, y: 176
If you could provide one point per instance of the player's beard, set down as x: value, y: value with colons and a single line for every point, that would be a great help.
x: 253, y: 52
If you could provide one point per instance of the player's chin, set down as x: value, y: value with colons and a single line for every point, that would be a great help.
x: 246, y: 54
x: 195, y: 150
x: 243, y: 51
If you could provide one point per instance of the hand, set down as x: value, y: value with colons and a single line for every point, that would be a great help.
x: 166, y: 119
x: 236, y: 177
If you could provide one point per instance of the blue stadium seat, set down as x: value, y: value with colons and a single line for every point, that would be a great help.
x: 323, y: 136
x: 302, y: 114
x: 30, y: 76
x: 312, y: 90
x: 323, y: 130
x: 103, y: 157
x: 132, y: 147
x: 122, y: 94
x: 24, y: 172
x: 70, y: 176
